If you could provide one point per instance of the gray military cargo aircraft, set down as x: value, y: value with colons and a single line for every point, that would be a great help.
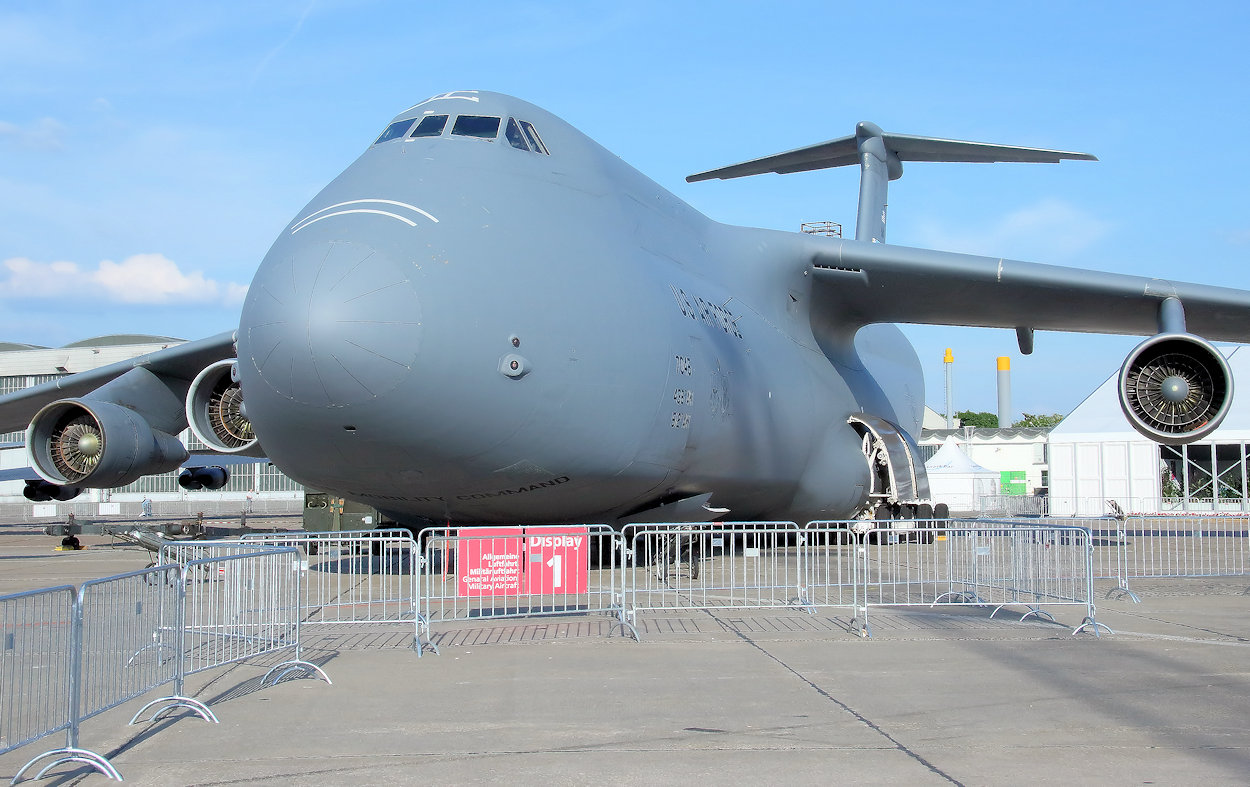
x: 489, y: 318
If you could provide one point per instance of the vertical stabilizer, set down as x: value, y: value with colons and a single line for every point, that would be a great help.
x: 878, y: 165
x: 880, y: 156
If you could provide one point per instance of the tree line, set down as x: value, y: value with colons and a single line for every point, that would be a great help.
x: 990, y: 420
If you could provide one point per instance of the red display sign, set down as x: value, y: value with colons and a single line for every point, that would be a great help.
x: 557, y: 560
x: 490, y: 561
x: 508, y: 561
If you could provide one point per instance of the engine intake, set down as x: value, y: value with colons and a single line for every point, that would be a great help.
x: 86, y: 443
x: 216, y: 414
x: 1175, y: 388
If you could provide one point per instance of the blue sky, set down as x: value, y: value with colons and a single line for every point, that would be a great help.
x: 150, y: 152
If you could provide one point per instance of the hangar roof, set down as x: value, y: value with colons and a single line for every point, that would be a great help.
x: 119, y: 339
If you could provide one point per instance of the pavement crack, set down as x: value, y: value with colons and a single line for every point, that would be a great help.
x: 859, y: 717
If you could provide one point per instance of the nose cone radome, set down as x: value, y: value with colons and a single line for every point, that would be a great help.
x: 330, y: 324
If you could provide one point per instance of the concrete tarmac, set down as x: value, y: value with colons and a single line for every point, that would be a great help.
x: 720, y: 697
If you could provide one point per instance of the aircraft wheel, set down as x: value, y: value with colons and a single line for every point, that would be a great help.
x: 70, y: 542
x: 941, y: 511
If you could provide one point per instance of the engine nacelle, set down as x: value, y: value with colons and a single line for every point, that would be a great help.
x: 1175, y: 388
x: 216, y: 414
x: 196, y: 478
x: 87, y: 443
x: 43, y: 492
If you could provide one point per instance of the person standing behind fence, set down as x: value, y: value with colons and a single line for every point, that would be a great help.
x: 147, y: 507
x: 247, y: 506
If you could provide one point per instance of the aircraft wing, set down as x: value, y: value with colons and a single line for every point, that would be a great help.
x: 867, y: 283
x: 183, y: 361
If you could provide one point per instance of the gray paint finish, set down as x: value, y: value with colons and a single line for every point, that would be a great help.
x: 459, y: 330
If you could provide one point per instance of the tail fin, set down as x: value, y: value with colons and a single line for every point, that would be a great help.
x: 880, y: 156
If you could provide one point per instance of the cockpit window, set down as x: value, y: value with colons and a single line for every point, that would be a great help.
x: 515, y: 138
x: 536, y: 143
x: 430, y: 126
x: 476, y: 126
x: 395, y: 130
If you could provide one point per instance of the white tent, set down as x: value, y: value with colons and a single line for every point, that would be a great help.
x: 957, y: 481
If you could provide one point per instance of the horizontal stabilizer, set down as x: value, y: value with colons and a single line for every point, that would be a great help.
x: 845, y: 152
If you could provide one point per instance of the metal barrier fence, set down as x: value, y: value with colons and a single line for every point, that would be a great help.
x: 1012, y: 505
x: 237, y: 601
x: 528, y: 572
x: 36, y: 643
x: 1160, y: 547
x: 120, y: 651
x: 698, y: 566
x: 183, y: 551
x: 832, y: 573
x: 357, y: 577
x: 972, y: 563
x: 124, y: 636
x: 1185, y: 547
x: 1103, y: 531
x: 509, y: 572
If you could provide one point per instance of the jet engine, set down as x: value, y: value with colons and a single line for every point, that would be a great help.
x: 196, y: 478
x: 216, y: 414
x: 88, y: 443
x: 1175, y: 388
x: 43, y: 492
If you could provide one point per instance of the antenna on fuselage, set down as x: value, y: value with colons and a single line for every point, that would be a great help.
x: 880, y: 156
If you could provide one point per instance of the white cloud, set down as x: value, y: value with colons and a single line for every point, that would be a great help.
x: 141, y: 278
x: 44, y: 134
x: 1050, y: 228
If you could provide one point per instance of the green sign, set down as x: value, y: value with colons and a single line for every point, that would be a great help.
x: 1013, y: 482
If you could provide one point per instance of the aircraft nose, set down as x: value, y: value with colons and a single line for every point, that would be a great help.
x: 331, y: 323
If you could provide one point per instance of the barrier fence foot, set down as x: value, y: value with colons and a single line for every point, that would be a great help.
x: 295, y: 665
x: 177, y: 701
x: 1093, y: 625
x: 859, y: 623
x: 623, y: 619
x: 65, y: 755
x: 1123, y: 591
x: 423, y: 624
x: 1035, y: 611
x: 801, y: 601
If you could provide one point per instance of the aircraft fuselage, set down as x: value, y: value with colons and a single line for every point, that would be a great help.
x: 460, y: 329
